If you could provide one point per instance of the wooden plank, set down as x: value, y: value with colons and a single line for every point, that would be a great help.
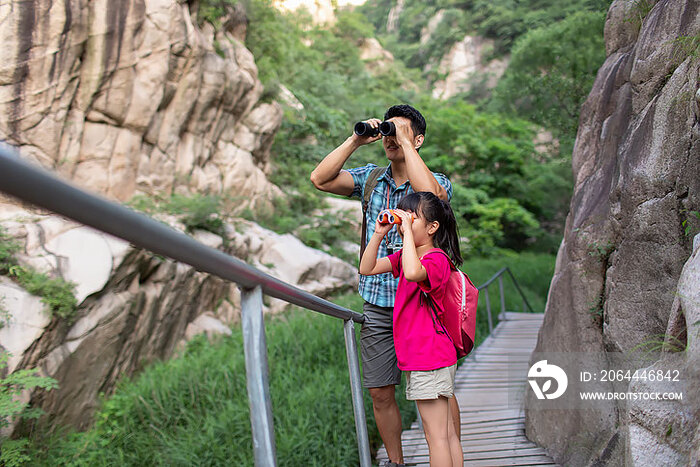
x: 521, y: 461
x: 541, y: 460
x: 502, y: 456
x: 512, y: 441
x: 484, y: 454
x: 518, y: 316
x: 519, y: 429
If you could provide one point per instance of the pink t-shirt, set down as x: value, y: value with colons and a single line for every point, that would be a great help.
x: 419, y: 339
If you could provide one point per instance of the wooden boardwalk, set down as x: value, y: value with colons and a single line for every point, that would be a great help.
x: 490, y: 384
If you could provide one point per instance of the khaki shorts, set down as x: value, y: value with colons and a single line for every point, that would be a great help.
x: 422, y: 385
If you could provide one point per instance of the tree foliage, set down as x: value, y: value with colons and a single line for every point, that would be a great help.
x: 551, y: 72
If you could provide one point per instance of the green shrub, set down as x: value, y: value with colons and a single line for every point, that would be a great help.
x: 551, y: 73
x: 14, y: 452
x: 56, y: 293
x: 195, y: 211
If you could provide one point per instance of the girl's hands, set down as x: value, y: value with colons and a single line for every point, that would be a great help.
x: 406, y: 219
x: 382, y: 229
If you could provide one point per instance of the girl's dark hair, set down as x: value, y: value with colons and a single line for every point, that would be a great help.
x: 431, y: 208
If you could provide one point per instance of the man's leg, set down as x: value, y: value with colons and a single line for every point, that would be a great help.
x: 454, y: 415
x: 388, y: 418
x: 381, y: 375
x: 454, y: 432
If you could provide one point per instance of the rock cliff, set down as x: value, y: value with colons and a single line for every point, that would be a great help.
x: 131, y: 96
x: 626, y: 274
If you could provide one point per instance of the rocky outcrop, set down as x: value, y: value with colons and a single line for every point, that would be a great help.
x: 465, y: 67
x: 377, y: 59
x: 130, y: 96
x: 321, y: 11
x: 134, y: 307
x: 616, y: 285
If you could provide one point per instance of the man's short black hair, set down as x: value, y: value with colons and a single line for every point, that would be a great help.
x: 405, y: 110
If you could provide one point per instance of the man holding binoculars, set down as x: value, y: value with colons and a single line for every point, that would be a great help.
x: 402, y: 133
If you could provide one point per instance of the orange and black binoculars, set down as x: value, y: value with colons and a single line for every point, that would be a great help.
x: 389, y: 216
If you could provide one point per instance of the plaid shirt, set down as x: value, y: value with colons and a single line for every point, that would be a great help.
x: 380, y: 289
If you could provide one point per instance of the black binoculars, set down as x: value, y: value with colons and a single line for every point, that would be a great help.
x: 386, y: 128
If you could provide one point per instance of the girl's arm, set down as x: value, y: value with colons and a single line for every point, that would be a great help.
x: 413, y: 270
x: 370, y: 265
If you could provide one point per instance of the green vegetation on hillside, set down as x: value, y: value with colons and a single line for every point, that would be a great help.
x: 551, y: 73
x: 504, y: 21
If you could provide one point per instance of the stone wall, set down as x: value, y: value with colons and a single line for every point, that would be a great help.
x: 636, y: 166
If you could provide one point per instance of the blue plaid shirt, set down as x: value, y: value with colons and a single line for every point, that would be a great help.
x: 380, y: 289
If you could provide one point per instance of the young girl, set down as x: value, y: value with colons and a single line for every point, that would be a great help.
x: 423, y: 350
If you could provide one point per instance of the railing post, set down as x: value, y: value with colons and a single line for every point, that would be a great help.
x: 503, y: 299
x: 358, y: 404
x: 488, y: 309
x: 257, y: 376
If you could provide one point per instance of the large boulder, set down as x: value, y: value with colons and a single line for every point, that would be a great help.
x: 636, y: 163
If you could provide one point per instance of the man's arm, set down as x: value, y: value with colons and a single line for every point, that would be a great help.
x: 419, y: 175
x: 328, y: 175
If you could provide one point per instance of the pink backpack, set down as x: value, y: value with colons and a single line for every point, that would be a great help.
x: 459, y: 303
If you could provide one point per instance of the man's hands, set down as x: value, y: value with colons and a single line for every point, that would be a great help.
x: 404, y: 132
x: 362, y: 140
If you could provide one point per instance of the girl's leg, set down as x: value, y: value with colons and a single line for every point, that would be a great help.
x: 436, y: 421
x: 454, y: 435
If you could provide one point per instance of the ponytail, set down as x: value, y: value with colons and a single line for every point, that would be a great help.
x: 434, y: 209
x: 447, y: 235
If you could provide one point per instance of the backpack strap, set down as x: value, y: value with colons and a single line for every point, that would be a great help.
x: 429, y: 300
x: 370, y: 185
x: 439, y: 250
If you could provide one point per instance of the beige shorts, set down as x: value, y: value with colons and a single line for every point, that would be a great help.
x: 421, y: 385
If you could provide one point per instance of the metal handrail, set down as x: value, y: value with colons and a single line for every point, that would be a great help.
x: 41, y: 188
x: 485, y: 288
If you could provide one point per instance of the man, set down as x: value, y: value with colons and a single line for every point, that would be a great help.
x: 406, y: 173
